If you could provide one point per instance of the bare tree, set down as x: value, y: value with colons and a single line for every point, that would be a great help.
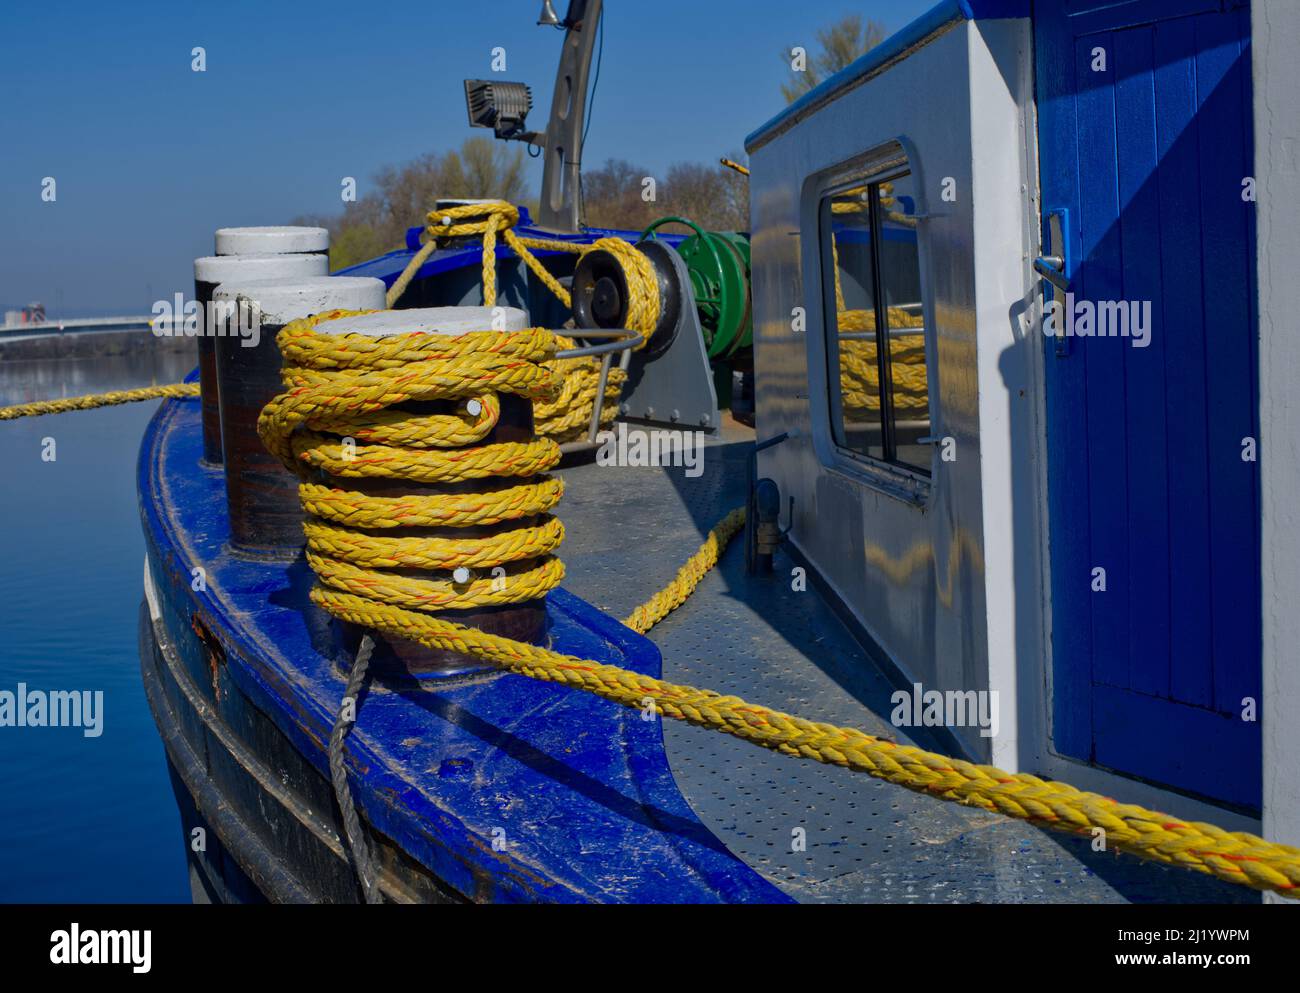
x: 844, y: 41
x: 612, y: 196
x: 485, y: 168
x: 712, y: 197
x: 377, y: 222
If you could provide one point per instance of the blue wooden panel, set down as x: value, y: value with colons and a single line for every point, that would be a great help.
x: 1144, y: 382
x: 1087, y: 16
x: 1221, y: 73
x: 1145, y: 476
x: 1179, y: 179
x: 1185, y: 745
x: 1101, y: 362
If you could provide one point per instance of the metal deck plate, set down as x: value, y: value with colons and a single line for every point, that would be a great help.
x: 628, y: 531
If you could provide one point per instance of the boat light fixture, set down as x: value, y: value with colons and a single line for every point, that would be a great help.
x: 500, y: 106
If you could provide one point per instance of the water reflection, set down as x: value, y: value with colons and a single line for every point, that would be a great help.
x: 876, y: 270
x: 81, y: 819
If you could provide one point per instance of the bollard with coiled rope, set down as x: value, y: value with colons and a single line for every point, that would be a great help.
x: 355, y: 586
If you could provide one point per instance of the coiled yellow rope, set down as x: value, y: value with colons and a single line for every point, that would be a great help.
x: 859, y: 370
x: 567, y: 416
x: 349, y: 383
x: 36, y: 409
x: 343, y: 386
x: 860, y: 373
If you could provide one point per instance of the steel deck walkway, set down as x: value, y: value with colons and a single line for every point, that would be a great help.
x: 628, y: 529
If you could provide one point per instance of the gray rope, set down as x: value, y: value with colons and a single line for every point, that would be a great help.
x: 362, y: 861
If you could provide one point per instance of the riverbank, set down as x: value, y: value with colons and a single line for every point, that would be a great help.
x: 91, y: 345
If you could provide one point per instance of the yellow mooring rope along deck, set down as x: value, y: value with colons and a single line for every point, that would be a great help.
x: 347, y: 384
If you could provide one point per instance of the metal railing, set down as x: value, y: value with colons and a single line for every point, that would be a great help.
x: 624, y: 341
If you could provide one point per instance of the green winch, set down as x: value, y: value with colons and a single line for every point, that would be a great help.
x: 717, y: 267
x: 718, y: 264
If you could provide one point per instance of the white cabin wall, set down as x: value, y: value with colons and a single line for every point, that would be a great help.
x: 1001, y: 68
x: 930, y: 622
x: 963, y: 105
x: 1275, y: 46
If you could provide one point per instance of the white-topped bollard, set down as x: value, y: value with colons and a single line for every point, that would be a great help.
x: 281, y: 240
x: 209, y: 273
x: 262, y: 496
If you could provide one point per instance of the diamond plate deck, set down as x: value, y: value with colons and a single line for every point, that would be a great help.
x: 628, y: 530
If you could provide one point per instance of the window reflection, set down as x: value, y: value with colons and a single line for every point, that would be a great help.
x: 876, y: 267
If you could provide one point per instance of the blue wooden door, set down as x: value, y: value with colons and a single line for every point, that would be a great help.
x: 1145, y: 145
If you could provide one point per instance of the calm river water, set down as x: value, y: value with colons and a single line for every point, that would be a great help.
x: 81, y: 818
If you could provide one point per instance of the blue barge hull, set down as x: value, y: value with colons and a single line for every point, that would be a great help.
x: 486, y: 788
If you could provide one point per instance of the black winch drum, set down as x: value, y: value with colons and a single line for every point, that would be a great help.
x: 600, y: 294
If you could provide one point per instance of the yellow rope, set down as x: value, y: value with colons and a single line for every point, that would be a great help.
x: 98, y: 400
x: 1236, y: 857
x: 344, y: 386
x: 860, y: 374
x: 329, y: 384
x: 859, y: 371
x: 568, y: 415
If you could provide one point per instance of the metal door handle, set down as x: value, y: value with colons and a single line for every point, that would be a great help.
x: 1054, y: 266
x: 1052, y: 269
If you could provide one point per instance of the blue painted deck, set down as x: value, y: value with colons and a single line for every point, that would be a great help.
x: 579, y: 787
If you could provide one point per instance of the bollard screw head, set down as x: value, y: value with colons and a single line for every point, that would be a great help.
x: 475, y: 407
x: 460, y: 575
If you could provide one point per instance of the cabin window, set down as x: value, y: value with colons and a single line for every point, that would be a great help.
x: 875, y: 326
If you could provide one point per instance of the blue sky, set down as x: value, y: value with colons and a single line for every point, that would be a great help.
x: 150, y: 158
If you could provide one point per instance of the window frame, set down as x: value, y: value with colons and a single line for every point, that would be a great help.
x: 889, y: 161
